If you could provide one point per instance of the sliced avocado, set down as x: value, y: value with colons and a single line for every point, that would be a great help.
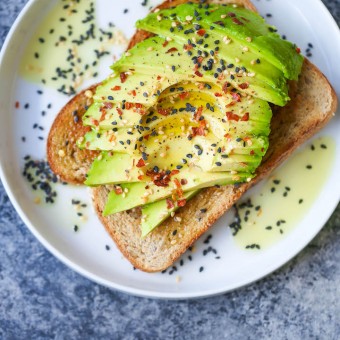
x: 239, y: 25
x: 232, y: 52
x: 107, y: 140
x: 115, y: 168
x: 227, y: 145
x: 187, y: 109
x: 154, y: 214
x: 137, y: 194
x: 106, y: 117
x: 173, y: 64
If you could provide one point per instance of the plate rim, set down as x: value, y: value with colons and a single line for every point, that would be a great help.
x: 108, y: 283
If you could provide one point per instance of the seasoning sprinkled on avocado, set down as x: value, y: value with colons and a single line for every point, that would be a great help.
x: 187, y: 108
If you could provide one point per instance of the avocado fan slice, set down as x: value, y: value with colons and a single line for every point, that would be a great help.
x: 173, y: 64
x: 154, y: 214
x: 138, y: 101
x: 237, y: 24
x: 132, y: 195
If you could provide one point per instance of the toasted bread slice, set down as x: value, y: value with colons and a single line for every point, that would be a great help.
x: 313, y: 102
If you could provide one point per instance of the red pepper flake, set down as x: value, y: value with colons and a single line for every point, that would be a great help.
x: 120, y: 111
x: 236, y: 97
x: 140, y: 163
x: 252, y: 153
x: 118, y: 190
x: 174, y: 172
x: 231, y: 15
x: 184, y: 95
x: 139, y: 105
x: 17, y: 105
x: 198, y: 74
x: 129, y: 106
x: 102, y: 117
x: 245, y: 117
x: 201, y: 32
x: 165, y: 43
x: 244, y: 86
x: 198, y: 113
x: 169, y: 203
x: 133, y: 92
x: 232, y: 116
x: 298, y: 50
x: 200, y: 59
x: 172, y: 49
x: 227, y: 137
x: 177, y: 183
x: 179, y: 193
x: 123, y: 77
x: 161, y: 179
x: 188, y: 47
x: 237, y: 21
x: 164, y: 112
x: 107, y: 105
x: 218, y: 94
x: 116, y: 88
x: 199, y: 131
x: 140, y: 177
x: 181, y: 203
x: 184, y: 181
x: 95, y: 122
x: 146, y: 137
x: 225, y: 87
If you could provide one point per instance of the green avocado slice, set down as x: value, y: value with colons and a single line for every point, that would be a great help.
x: 137, y: 194
x: 237, y: 24
x: 172, y: 64
x: 154, y: 214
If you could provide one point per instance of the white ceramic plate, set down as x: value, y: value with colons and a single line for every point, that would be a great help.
x: 90, y: 251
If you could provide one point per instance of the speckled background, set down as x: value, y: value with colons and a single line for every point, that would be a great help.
x: 41, y: 298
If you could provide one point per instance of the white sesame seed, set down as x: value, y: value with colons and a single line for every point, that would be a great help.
x: 88, y: 94
x: 223, y: 16
x: 61, y: 153
x: 188, y: 18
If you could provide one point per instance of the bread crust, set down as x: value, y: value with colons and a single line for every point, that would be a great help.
x: 65, y: 158
x: 313, y: 102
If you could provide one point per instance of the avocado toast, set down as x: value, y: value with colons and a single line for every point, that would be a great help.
x: 290, y: 126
